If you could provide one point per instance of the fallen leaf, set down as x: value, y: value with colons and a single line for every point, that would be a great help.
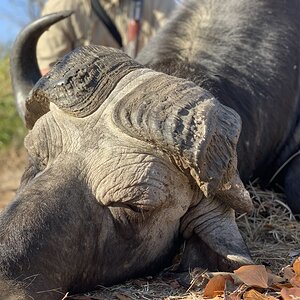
x: 290, y: 294
x: 174, y: 284
x: 295, y: 281
x: 253, y: 275
x: 139, y: 282
x: 294, y: 253
x: 274, y: 279
x: 280, y: 286
x: 215, y: 286
x: 255, y: 295
x: 288, y: 273
x: 296, y: 266
x: 121, y: 296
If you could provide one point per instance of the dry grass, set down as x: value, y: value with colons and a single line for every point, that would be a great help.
x: 271, y: 232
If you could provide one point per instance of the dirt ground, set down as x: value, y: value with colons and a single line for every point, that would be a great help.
x: 271, y: 232
x: 12, y: 165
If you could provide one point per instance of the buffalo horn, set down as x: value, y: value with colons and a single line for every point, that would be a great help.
x: 80, y: 82
x: 23, y: 65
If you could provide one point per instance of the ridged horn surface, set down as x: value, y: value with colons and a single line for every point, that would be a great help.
x: 23, y: 64
x: 187, y: 122
x: 80, y: 82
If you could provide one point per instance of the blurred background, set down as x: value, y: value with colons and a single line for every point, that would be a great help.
x: 14, y: 15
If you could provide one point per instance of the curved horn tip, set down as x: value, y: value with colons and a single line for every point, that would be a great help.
x: 23, y: 63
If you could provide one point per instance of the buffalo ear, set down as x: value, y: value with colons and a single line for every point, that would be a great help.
x: 190, y: 125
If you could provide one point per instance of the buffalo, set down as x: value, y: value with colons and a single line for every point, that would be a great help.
x: 129, y: 159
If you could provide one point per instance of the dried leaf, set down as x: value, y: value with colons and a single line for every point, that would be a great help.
x: 280, y: 286
x: 121, y: 296
x: 215, y: 286
x: 296, y: 266
x: 255, y: 295
x: 139, y: 282
x: 288, y: 273
x: 294, y: 253
x: 274, y: 279
x: 253, y: 275
x: 174, y: 284
x: 295, y: 281
x: 290, y: 294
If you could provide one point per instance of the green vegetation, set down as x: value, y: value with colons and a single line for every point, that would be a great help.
x: 12, y: 130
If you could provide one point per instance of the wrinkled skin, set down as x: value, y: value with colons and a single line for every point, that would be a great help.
x: 105, y: 202
x: 126, y: 163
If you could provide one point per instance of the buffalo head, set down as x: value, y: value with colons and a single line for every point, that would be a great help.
x: 124, y: 164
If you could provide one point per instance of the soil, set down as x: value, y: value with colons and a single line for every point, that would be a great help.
x: 12, y: 165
